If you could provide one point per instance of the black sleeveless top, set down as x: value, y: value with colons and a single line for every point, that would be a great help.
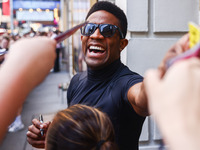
x: 107, y: 89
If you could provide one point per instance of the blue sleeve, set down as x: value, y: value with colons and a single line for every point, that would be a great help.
x: 122, y: 85
x: 131, y: 82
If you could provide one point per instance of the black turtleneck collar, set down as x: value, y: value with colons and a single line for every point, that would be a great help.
x: 105, y: 73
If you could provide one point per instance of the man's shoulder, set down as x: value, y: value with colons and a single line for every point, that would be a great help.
x: 126, y: 78
x: 126, y: 72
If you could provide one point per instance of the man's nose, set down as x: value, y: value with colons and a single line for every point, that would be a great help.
x: 97, y: 34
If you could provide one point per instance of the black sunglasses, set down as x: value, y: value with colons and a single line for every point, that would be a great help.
x: 107, y: 30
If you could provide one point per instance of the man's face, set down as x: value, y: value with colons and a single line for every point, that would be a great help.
x: 100, y: 51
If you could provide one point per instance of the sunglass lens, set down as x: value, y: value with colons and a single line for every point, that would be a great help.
x: 107, y: 30
x: 88, y: 29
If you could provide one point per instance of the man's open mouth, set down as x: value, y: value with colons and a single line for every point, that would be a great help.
x: 96, y: 49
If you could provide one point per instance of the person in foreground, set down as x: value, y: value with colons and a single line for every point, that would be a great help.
x: 174, y: 103
x: 107, y: 84
x: 35, y: 57
x: 81, y: 127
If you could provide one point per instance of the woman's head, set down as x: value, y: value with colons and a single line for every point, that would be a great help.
x: 80, y: 127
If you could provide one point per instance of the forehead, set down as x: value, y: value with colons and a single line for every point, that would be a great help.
x: 103, y: 17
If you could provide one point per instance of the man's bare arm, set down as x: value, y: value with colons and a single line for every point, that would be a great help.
x: 137, y: 97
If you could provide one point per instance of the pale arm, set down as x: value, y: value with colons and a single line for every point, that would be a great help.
x: 26, y: 65
x: 174, y: 103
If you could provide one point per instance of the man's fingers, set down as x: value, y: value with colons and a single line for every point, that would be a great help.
x: 40, y: 125
x: 36, y: 123
x: 32, y: 129
x: 36, y: 144
x: 36, y: 140
x: 32, y: 135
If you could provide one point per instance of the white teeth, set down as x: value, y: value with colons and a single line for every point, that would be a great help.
x: 96, y: 48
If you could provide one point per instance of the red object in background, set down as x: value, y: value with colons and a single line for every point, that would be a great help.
x: 55, y: 22
x: 59, y: 38
x: 6, y: 8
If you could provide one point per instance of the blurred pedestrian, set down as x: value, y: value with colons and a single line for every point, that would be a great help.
x: 56, y: 67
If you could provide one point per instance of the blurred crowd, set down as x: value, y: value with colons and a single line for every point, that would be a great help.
x: 7, y: 39
x: 14, y: 37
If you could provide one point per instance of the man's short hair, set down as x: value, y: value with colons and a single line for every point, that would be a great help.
x: 113, y: 9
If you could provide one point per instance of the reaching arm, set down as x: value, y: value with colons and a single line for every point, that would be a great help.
x: 137, y: 98
x: 26, y: 65
x: 174, y: 102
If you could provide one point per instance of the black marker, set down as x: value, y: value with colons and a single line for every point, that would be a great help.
x: 41, y: 121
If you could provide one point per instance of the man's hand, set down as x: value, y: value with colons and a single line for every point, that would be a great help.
x: 34, y: 137
x: 178, y: 48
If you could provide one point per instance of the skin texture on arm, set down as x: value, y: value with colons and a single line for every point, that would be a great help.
x: 27, y: 64
x: 174, y: 102
x: 137, y: 98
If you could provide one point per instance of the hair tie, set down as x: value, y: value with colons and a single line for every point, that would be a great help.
x: 99, y: 144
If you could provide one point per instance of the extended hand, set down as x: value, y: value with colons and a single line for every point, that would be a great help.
x: 174, y: 101
x: 33, y: 135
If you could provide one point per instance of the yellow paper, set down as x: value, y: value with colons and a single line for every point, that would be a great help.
x: 194, y: 32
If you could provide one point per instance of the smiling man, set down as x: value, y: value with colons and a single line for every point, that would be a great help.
x: 107, y: 84
x: 102, y: 39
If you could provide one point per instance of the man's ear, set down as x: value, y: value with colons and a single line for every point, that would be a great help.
x: 123, y: 44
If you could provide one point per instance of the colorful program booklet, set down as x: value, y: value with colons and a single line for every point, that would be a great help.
x: 194, y: 33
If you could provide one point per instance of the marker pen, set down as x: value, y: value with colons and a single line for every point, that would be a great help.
x: 41, y: 121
